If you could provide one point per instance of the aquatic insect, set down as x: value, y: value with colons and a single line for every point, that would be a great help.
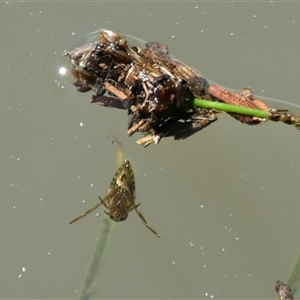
x: 120, y: 199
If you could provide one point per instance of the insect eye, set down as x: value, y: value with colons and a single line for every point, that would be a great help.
x: 123, y: 219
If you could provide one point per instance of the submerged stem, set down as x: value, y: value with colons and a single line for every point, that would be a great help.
x: 94, y: 274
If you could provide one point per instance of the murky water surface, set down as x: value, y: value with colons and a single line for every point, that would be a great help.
x: 225, y: 201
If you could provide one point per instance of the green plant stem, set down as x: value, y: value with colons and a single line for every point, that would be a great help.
x: 93, y: 276
x: 229, y: 108
x: 263, y: 114
x: 294, y: 280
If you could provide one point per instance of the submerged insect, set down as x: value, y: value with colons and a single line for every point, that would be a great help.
x: 120, y: 199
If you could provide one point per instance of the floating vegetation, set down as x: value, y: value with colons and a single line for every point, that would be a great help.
x: 163, y: 96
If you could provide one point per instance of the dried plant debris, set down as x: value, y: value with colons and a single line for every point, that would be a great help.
x: 283, y: 291
x: 120, y: 199
x: 156, y: 89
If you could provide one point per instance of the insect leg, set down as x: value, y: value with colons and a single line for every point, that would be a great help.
x: 145, y: 222
x: 87, y: 212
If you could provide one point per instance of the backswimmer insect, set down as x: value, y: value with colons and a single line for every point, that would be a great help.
x: 120, y: 199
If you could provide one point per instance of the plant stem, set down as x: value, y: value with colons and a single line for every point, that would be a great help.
x: 230, y: 108
x: 273, y: 115
x: 294, y: 280
x: 94, y: 275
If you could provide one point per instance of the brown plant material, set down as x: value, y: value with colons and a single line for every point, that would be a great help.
x: 156, y: 89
